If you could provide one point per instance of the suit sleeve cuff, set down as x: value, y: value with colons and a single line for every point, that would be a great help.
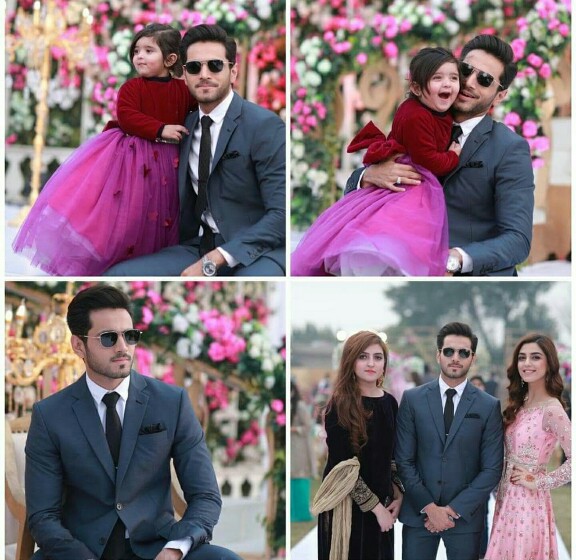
x: 230, y: 260
x: 183, y: 545
x: 467, y: 264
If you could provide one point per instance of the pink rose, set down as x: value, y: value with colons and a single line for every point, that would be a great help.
x: 545, y: 71
x: 529, y: 129
x: 362, y: 58
x: 281, y: 419
x: 534, y: 60
x: 277, y: 405
x: 391, y: 50
x: 512, y: 119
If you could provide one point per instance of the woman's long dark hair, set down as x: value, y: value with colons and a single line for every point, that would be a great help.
x: 347, y: 397
x: 517, y: 391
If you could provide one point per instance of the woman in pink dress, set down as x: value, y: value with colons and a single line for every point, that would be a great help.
x: 535, y: 421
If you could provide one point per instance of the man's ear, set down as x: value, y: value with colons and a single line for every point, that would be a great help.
x: 78, y: 346
x: 500, y: 96
x: 438, y: 356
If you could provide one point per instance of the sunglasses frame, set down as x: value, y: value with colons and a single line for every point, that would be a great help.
x: 463, y: 353
x: 210, y: 63
x: 123, y: 333
x: 480, y: 75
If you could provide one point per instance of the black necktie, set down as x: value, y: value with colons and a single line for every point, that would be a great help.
x: 115, y: 547
x: 456, y: 133
x: 449, y: 410
x: 204, y: 159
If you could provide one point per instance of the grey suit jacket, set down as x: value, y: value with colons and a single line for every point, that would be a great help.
x: 247, y: 184
x: 489, y: 199
x: 74, y: 495
x: 459, y: 470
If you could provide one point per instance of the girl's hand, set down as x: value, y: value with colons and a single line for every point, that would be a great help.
x: 455, y: 147
x: 174, y: 132
x: 394, y: 507
x: 523, y: 477
x: 384, y: 517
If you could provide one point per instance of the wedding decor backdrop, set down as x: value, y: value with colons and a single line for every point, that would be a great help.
x: 349, y: 62
x: 213, y: 338
x: 82, y: 95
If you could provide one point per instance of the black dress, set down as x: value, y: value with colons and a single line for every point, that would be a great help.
x: 367, y: 542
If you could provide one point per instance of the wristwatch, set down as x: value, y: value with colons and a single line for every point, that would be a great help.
x: 453, y: 264
x: 208, y: 267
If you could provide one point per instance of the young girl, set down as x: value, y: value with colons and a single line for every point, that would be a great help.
x: 360, y: 425
x: 116, y: 197
x: 535, y: 422
x: 377, y: 232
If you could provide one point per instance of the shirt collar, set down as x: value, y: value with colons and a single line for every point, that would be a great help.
x: 98, y: 392
x: 459, y: 388
x: 219, y: 112
x: 469, y: 125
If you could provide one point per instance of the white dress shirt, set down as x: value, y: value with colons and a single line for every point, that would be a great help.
x: 217, y: 115
x: 456, y: 398
x: 98, y: 393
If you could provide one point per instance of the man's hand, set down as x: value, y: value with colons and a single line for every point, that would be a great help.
x: 196, y: 268
x: 386, y: 173
x: 384, y: 517
x: 169, y: 554
x: 458, y: 255
x: 173, y: 132
x: 394, y: 507
x: 439, y: 519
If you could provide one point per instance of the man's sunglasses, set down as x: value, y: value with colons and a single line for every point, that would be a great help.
x: 110, y: 338
x: 215, y: 65
x: 463, y: 353
x: 483, y: 78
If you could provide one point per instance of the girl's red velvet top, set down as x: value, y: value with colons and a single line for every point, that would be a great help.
x: 416, y: 130
x: 145, y: 105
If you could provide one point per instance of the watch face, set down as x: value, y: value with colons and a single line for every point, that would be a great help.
x: 208, y: 268
x: 453, y: 264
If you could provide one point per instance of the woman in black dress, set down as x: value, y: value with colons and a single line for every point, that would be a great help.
x: 360, y: 422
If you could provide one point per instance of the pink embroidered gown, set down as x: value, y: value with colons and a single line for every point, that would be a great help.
x: 524, y: 526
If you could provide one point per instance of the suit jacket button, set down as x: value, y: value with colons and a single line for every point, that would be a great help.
x: 119, y: 506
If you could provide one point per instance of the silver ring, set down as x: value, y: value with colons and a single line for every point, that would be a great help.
x: 399, y: 181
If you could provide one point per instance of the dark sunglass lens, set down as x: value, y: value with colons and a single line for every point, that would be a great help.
x: 485, y: 80
x: 464, y: 353
x: 193, y: 67
x: 132, y: 336
x: 448, y: 352
x: 108, y: 339
x: 466, y: 69
x: 215, y: 66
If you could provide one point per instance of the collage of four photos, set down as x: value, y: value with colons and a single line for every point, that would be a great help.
x: 287, y: 280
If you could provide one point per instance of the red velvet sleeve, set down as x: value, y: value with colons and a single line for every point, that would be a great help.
x: 130, y: 116
x: 425, y: 138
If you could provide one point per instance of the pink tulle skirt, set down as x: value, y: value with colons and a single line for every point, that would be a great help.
x: 114, y: 198
x: 377, y: 232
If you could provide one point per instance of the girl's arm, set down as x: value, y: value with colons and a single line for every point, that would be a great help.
x: 556, y: 422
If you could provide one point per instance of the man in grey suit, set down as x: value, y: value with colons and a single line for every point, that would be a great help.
x: 233, y: 192
x: 98, y: 453
x: 490, y: 194
x: 449, y: 453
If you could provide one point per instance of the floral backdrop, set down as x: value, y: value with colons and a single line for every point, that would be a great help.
x: 257, y: 25
x: 331, y: 38
x: 224, y: 325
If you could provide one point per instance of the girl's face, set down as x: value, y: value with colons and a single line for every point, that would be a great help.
x: 443, y: 88
x: 532, y: 363
x: 148, y: 59
x: 369, y: 366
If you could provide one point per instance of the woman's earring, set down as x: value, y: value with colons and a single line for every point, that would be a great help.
x: 523, y: 383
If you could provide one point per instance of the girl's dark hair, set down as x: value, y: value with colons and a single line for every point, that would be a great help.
x: 498, y: 49
x: 204, y: 33
x: 167, y: 38
x: 347, y: 397
x: 94, y: 298
x: 426, y: 63
x: 553, y: 380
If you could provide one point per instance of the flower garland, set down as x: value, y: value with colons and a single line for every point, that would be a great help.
x: 257, y: 25
x: 333, y: 37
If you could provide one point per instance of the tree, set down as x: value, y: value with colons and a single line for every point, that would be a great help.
x: 490, y: 308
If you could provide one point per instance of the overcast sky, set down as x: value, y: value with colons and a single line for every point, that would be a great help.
x: 360, y: 304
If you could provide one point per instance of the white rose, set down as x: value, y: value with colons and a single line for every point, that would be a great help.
x: 183, y: 348
x: 269, y: 382
x: 297, y: 150
x: 267, y: 365
x: 179, y: 324
x: 324, y: 66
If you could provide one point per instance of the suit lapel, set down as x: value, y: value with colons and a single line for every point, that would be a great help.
x: 133, y: 416
x: 185, y: 147
x: 85, y: 410
x: 229, y: 125
x: 468, y: 397
x: 435, y: 405
x: 477, y: 137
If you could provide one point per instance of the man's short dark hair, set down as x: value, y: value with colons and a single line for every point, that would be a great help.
x: 500, y: 50
x: 94, y: 298
x: 458, y: 329
x: 208, y: 34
